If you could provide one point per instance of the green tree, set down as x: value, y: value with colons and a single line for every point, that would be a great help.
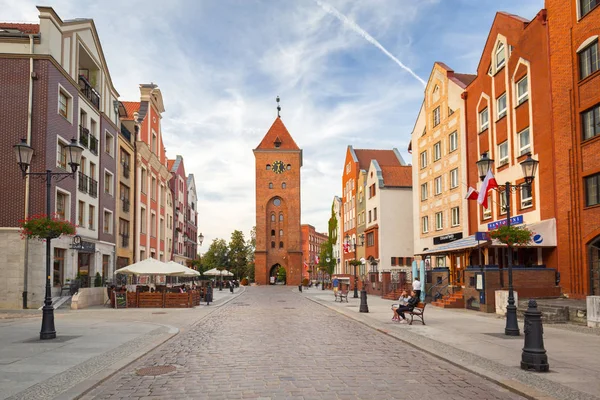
x: 325, y: 253
x: 238, y: 254
x: 251, y: 248
x: 216, y: 255
x: 281, y: 274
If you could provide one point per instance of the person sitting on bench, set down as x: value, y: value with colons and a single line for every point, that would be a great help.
x: 402, y: 300
x: 413, y: 301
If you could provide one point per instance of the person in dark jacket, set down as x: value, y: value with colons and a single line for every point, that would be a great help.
x: 413, y: 301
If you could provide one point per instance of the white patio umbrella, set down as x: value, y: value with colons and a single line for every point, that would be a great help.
x: 216, y: 272
x: 187, y: 271
x: 151, y: 266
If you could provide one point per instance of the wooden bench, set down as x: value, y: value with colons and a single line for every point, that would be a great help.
x: 341, y: 294
x: 417, y: 312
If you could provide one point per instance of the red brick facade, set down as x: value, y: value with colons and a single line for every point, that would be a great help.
x: 311, y: 249
x: 575, y: 158
x: 278, y: 234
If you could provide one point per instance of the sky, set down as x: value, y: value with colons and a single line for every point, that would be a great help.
x: 349, y: 72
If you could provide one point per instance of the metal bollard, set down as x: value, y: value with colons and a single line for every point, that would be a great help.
x: 231, y: 288
x: 208, y: 294
x: 534, y: 355
x: 300, y: 288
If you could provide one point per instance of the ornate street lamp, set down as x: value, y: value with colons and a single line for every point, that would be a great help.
x: 354, y: 244
x: 328, y: 260
x: 24, y: 153
x: 200, y: 238
x: 363, y: 292
x: 529, y: 167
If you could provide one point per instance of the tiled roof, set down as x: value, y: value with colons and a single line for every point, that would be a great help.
x: 25, y: 28
x: 170, y: 164
x: 131, y: 107
x: 465, y: 78
x: 278, y: 131
x: 383, y: 157
x: 397, y: 176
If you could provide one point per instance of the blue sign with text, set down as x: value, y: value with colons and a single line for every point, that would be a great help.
x: 482, y: 236
x: 513, y: 221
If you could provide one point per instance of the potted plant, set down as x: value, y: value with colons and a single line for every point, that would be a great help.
x: 44, y: 227
x: 512, y: 235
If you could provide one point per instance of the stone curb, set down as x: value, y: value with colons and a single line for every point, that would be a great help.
x: 527, y: 384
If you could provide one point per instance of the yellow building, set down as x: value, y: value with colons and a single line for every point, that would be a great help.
x: 126, y: 191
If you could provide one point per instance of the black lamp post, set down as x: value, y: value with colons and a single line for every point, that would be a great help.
x: 328, y: 260
x: 24, y: 154
x: 354, y: 244
x: 364, y: 307
x: 529, y: 167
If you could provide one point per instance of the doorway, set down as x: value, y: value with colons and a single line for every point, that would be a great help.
x: 594, y: 257
x: 83, y: 269
x: 277, y: 275
x: 459, y: 279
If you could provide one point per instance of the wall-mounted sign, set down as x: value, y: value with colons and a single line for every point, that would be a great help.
x: 482, y: 236
x: 516, y: 220
x: 451, y: 237
x: 82, y: 246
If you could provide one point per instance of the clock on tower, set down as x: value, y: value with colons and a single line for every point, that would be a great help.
x: 278, y: 235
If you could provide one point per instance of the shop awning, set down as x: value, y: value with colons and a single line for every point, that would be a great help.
x: 460, y: 244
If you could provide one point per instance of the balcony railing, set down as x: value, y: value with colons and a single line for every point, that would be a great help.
x: 84, y: 136
x: 93, y: 188
x: 125, y: 132
x: 83, y: 182
x: 89, y: 92
x: 125, y: 205
x: 124, y: 240
x: 93, y: 145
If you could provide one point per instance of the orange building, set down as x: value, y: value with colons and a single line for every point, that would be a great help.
x: 311, y: 249
x: 574, y: 28
x: 356, y: 161
x: 152, y: 174
x: 507, y: 108
x: 278, y: 235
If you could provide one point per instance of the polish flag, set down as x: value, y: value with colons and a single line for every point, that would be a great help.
x: 305, y: 265
x: 488, y: 184
x: 316, y: 259
x: 472, y: 194
x: 346, y: 248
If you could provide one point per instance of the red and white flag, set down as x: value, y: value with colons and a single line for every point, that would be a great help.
x: 316, y: 259
x: 472, y: 194
x: 346, y: 247
x: 488, y: 184
x: 305, y: 264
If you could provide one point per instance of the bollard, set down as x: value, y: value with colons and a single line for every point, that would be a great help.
x: 300, y: 288
x: 231, y: 288
x: 208, y: 294
x: 534, y: 355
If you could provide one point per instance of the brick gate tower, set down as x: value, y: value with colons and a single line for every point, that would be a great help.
x: 278, y: 234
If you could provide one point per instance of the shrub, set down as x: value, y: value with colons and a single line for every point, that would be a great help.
x: 305, y: 282
x: 244, y: 282
x: 512, y: 235
x: 97, y: 280
x: 43, y: 227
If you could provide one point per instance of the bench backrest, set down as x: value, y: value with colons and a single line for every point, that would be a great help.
x: 421, y: 305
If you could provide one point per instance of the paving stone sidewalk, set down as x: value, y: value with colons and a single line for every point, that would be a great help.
x: 476, y: 341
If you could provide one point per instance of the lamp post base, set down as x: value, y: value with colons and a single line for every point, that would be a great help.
x: 48, y: 331
x: 512, y: 326
x: 363, y: 301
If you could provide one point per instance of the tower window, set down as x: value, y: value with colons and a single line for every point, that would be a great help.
x: 281, y: 232
x: 272, y: 232
x: 281, y: 245
x: 288, y: 167
x: 281, y: 217
x: 272, y: 245
x: 283, y: 185
x: 277, y: 202
x: 268, y: 167
x: 273, y: 217
x: 270, y: 185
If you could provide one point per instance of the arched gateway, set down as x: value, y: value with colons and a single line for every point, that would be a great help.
x: 278, y: 233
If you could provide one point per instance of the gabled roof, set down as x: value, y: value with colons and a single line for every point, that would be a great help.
x: 466, y: 79
x: 278, y: 133
x: 190, y: 179
x: 397, y: 176
x: 174, y: 164
x: 23, y: 28
x: 170, y: 164
x: 131, y: 107
x: 462, y: 80
x: 383, y: 157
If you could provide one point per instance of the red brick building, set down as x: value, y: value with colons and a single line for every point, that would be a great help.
x: 507, y: 112
x: 311, y: 249
x: 574, y: 27
x: 179, y: 192
x: 278, y: 235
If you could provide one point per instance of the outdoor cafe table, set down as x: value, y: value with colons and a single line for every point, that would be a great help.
x: 188, y: 299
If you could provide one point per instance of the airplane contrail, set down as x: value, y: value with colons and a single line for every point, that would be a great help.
x: 354, y: 26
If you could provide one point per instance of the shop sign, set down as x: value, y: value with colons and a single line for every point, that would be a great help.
x: 516, y: 220
x: 451, y: 237
x: 482, y: 236
x: 82, y: 246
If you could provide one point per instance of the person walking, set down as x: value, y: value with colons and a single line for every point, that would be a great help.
x: 416, y: 285
x: 336, y: 283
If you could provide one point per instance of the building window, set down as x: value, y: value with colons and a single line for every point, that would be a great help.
x: 270, y: 185
x: 272, y: 245
x: 437, y: 151
x: 281, y: 232
x: 61, y: 156
x: 436, y: 116
x: 453, y: 140
x: 501, y: 105
x: 423, y: 159
x: 108, y: 183
x: 440, y: 262
x: 375, y: 214
x: 524, y: 142
x: 424, y: 191
x: 109, y: 143
x: 81, y: 214
x: 371, y: 239
x: 587, y: 6
x: 425, y: 224
x: 272, y: 232
x: 277, y: 202
x: 526, y: 196
x: 438, y: 185
x: 144, y: 181
x: 143, y: 220
x: 503, y: 153
x: 283, y: 185
x: 62, y: 205
x: 370, y: 216
x: 64, y: 104
x: 281, y: 245
x: 454, y: 178
x: 592, y: 190
x: 502, y: 196
x: 589, y: 60
x: 273, y: 217
x: 161, y: 229
x: 522, y: 90
x: 288, y: 167
x: 280, y: 217
x: 455, y: 216
x: 154, y: 143
x: 500, y: 55
x: 153, y: 225
x: 439, y: 221
x: 590, y: 120
x: 483, y: 120
x: 107, y: 222
x: 268, y: 167
x: 487, y: 212
x: 58, y: 266
x: 91, y: 217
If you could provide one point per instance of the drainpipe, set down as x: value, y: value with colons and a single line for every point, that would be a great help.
x: 26, y: 211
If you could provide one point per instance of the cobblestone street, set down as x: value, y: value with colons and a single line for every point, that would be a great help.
x: 271, y: 343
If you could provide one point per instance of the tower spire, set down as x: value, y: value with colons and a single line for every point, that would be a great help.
x: 278, y: 107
